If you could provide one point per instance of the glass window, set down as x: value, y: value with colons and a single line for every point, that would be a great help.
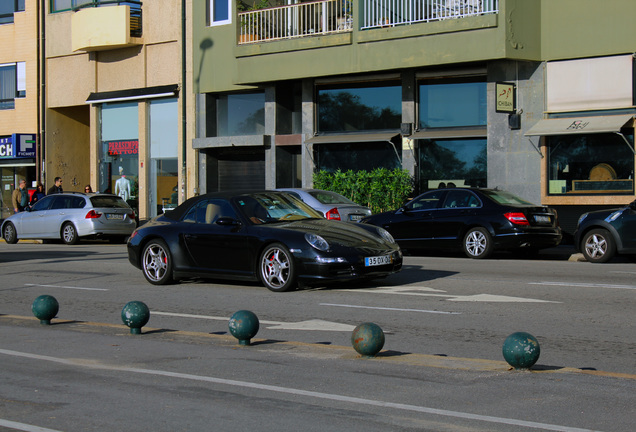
x: 357, y: 156
x: 240, y: 114
x: 220, y: 12
x: 452, y: 104
x: 452, y: 163
x: 7, y: 8
x: 425, y: 201
x: 164, y: 143
x: 288, y: 166
x: 461, y: 199
x: 590, y: 164
x: 62, y: 5
x: 8, y: 86
x: 347, y: 108
x: 119, y: 151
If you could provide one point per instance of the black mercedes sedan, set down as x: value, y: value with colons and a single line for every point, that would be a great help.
x: 265, y: 235
x: 477, y: 221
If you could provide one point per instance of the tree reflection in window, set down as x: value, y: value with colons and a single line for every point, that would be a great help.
x: 461, y: 162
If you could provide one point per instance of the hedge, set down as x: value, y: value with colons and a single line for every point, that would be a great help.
x: 380, y: 190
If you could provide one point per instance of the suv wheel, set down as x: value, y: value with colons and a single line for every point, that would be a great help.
x: 598, y: 246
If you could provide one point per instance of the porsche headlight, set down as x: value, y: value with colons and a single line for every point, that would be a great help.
x: 317, y: 242
x: 386, y: 236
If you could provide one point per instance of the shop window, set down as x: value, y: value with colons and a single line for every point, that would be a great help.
x: 8, y: 8
x: 219, y: 12
x: 364, y: 107
x: 444, y: 104
x: 236, y: 114
x: 12, y: 84
x: 590, y: 164
x: 164, y: 164
x: 450, y: 163
x: 119, y: 151
x: 66, y: 5
x: 357, y: 156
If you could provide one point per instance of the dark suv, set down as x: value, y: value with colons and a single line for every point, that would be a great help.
x: 602, y: 234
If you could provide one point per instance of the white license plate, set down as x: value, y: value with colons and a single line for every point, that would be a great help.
x: 355, y: 218
x: 114, y: 216
x: 542, y: 218
x: 377, y: 260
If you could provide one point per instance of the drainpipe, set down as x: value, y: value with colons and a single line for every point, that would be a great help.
x: 184, y: 100
x: 41, y: 77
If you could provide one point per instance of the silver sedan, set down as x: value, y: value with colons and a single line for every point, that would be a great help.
x: 330, y: 204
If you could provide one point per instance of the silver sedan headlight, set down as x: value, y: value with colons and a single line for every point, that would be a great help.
x: 317, y: 242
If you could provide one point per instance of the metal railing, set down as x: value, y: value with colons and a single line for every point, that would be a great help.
x: 383, y: 13
x: 135, y: 11
x: 297, y: 20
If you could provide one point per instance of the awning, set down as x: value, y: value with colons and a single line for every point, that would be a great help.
x: 580, y: 125
x: 133, y: 94
x: 349, y: 138
x: 450, y: 133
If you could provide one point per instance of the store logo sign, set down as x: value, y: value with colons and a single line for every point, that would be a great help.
x: 123, y: 147
x: 578, y: 125
x: 6, y: 148
x: 17, y: 146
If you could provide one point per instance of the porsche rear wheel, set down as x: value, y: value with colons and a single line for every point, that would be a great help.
x: 276, y: 268
x: 156, y: 263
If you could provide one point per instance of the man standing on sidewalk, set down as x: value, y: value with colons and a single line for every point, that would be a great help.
x: 20, y: 197
x: 57, y: 187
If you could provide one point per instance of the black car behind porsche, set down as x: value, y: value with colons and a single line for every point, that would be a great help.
x: 268, y: 236
x: 477, y: 221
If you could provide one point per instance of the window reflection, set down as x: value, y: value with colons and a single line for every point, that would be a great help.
x: 240, y: 114
x: 593, y: 163
x: 452, y: 104
x: 357, y: 156
x: 363, y: 108
x: 452, y: 163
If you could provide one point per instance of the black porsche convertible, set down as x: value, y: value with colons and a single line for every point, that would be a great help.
x: 266, y: 235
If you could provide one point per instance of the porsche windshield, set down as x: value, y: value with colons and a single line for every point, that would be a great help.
x: 268, y: 207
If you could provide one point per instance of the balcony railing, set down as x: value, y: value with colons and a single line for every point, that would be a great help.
x: 135, y: 11
x: 333, y: 16
x: 297, y: 20
x: 383, y: 13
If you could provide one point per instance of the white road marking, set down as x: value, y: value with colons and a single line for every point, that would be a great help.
x: 67, y: 287
x: 584, y: 285
x: 427, y: 292
x: 95, y: 364
x: 391, y: 309
x: 311, y: 325
x: 24, y: 427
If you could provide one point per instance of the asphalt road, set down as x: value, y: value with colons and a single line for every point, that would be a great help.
x: 444, y: 318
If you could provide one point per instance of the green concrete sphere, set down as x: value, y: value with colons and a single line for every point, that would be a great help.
x: 521, y: 350
x: 244, y: 325
x: 135, y: 315
x: 367, y: 339
x: 45, y: 308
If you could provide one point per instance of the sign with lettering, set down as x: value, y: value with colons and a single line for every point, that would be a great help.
x: 123, y: 147
x: 505, y: 98
x: 17, y: 146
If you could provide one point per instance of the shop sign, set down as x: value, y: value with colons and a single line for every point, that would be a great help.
x: 17, y: 146
x: 123, y: 147
x: 505, y: 98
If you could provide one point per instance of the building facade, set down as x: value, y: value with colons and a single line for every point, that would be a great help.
x: 116, y: 100
x: 464, y: 92
x: 20, y: 98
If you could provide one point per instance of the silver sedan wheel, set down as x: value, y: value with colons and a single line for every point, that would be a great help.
x: 156, y: 263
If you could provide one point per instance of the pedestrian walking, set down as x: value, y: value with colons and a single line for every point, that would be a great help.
x: 20, y: 197
x: 38, y: 194
x: 57, y: 187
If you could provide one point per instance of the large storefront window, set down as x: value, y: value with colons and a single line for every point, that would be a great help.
x: 450, y: 163
x: 119, y: 151
x: 239, y: 114
x: 164, y: 144
x: 444, y: 104
x: 590, y: 164
x: 349, y: 108
x: 357, y: 156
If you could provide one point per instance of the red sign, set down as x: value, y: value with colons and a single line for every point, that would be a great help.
x: 124, y: 147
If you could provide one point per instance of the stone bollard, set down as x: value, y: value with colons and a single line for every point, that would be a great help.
x: 367, y: 339
x: 45, y: 307
x: 135, y: 315
x: 244, y: 325
x: 521, y: 350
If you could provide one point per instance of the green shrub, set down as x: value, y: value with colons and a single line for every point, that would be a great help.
x: 380, y: 190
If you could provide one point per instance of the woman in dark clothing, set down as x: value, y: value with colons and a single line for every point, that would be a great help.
x: 38, y: 194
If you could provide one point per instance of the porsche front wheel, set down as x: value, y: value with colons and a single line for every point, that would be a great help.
x: 276, y: 268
